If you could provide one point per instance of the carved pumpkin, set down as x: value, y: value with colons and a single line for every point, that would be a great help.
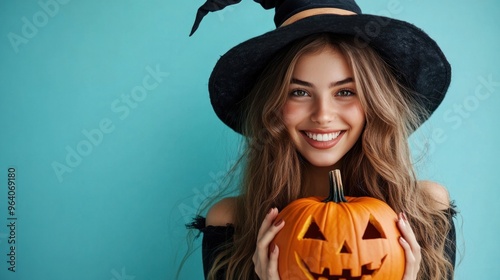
x: 339, y: 238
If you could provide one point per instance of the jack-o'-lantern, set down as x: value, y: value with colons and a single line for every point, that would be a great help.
x: 339, y: 238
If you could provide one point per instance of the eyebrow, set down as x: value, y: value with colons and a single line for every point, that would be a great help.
x: 334, y: 84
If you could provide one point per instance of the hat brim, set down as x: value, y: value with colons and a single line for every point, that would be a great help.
x: 416, y: 58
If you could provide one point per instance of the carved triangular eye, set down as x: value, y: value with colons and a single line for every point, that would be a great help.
x: 373, y: 229
x: 314, y: 232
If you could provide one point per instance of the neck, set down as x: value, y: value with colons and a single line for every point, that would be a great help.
x: 316, y: 181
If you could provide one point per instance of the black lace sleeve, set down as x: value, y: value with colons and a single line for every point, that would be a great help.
x: 214, y: 238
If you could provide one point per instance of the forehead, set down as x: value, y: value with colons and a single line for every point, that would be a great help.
x: 325, y: 62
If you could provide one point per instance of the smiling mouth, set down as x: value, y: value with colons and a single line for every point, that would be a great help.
x: 323, y: 137
x: 346, y: 273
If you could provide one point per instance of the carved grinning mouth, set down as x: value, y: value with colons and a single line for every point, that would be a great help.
x: 346, y: 273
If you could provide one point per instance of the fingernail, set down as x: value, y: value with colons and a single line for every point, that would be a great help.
x: 401, y: 220
x: 278, y: 222
x: 402, y: 239
x: 404, y: 216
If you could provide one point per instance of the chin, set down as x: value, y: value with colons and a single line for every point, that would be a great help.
x: 322, y: 161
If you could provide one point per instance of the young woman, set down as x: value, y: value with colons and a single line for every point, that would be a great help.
x: 316, y: 95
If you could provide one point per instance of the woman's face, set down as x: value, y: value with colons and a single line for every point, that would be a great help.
x: 323, y: 114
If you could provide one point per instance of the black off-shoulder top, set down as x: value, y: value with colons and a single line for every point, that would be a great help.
x: 214, y: 237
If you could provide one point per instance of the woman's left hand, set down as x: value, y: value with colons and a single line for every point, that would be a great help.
x: 411, y: 247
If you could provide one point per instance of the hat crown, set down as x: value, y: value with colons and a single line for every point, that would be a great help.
x: 284, y: 9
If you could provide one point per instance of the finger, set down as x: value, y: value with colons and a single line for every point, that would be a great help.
x: 272, y: 271
x: 264, y: 251
x: 269, y: 235
x: 407, y: 232
x: 266, y: 239
x: 410, y: 259
x: 410, y: 246
x: 268, y: 221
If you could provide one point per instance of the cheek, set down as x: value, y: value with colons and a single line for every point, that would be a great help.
x: 354, y: 114
x: 291, y: 114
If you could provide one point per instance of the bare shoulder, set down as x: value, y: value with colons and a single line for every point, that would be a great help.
x: 222, y: 212
x: 439, y: 193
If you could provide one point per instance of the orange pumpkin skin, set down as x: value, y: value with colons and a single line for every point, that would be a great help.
x: 357, y: 239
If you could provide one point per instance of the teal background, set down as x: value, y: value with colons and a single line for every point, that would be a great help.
x: 118, y: 212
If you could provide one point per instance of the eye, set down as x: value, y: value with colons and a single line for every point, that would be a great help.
x: 345, y: 92
x: 299, y: 93
x: 373, y: 230
x: 314, y: 232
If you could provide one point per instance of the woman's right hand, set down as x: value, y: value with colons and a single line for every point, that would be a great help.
x: 265, y: 258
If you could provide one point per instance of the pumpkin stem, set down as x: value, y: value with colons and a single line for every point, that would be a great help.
x: 336, y: 188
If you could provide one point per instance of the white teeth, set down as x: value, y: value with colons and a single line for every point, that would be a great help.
x: 323, y: 137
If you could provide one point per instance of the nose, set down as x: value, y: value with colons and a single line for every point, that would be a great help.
x: 323, y: 111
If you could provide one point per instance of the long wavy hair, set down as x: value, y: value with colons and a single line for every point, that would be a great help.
x: 379, y: 165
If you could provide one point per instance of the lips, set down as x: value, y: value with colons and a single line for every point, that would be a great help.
x: 323, y: 140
